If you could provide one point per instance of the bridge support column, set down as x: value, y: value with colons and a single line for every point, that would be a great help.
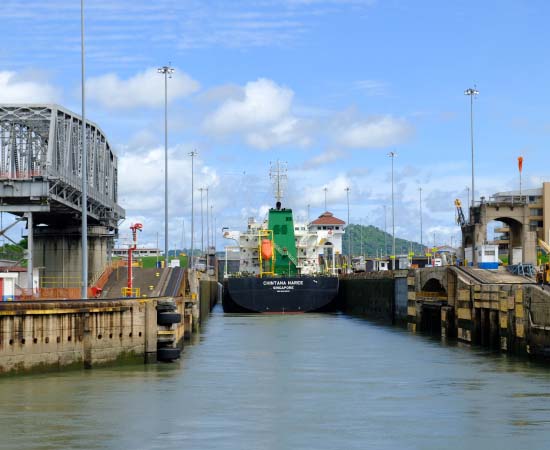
x: 448, y: 325
x: 529, y: 246
x: 58, y: 254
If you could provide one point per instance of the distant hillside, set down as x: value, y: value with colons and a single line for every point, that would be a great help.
x: 373, y: 242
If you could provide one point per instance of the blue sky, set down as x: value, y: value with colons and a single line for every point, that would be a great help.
x: 328, y: 86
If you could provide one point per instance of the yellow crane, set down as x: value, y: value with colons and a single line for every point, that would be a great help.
x: 543, y: 275
x: 460, y: 219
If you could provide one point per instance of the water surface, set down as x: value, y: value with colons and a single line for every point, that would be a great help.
x: 288, y: 382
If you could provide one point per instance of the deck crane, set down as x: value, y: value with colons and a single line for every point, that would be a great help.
x: 135, y: 228
x: 460, y: 215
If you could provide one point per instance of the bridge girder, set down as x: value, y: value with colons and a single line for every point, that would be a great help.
x: 41, y: 166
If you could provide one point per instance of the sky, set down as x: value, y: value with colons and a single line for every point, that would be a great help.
x: 328, y: 86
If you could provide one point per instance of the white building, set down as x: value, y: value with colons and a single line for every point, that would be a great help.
x: 137, y: 253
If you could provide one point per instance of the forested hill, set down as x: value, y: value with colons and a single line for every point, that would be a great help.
x: 373, y: 240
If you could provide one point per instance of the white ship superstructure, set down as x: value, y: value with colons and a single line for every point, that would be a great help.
x: 318, y: 244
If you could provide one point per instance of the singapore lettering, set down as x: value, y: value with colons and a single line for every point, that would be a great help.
x: 283, y: 285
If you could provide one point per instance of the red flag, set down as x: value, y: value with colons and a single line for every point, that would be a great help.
x: 520, y: 163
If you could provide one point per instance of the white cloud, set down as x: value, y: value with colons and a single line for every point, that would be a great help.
x: 376, y: 132
x: 17, y: 89
x: 144, y: 89
x: 262, y: 114
x: 326, y: 157
x: 264, y: 103
x: 335, y: 192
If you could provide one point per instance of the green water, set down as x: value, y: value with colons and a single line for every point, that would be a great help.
x: 289, y: 382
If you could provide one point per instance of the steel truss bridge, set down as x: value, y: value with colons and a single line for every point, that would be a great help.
x: 41, y: 167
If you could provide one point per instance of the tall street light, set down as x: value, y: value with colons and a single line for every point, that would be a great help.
x: 349, y: 237
x: 385, y: 232
x: 325, y: 189
x: 472, y: 93
x: 212, y: 227
x: 392, y: 155
x: 207, y: 222
x: 192, y: 155
x: 468, y: 194
x: 167, y: 71
x: 202, y: 222
x: 84, y: 170
x: 421, y: 234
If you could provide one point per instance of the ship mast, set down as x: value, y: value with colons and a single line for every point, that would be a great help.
x: 277, y: 173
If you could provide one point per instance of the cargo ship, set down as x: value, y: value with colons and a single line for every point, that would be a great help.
x: 283, y: 267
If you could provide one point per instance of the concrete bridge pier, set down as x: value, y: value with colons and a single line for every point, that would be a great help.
x: 58, y: 254
x: 448, y: 322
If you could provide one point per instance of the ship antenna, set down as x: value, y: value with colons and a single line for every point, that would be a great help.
x: 277, y: 173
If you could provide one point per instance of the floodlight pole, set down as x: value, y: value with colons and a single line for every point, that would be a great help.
x: 192, y: 155
x: 202, y: 223
x: 421, y: 233
x: 349, y: 237
x: 84, y: 169
x: 167, y: 71
x: 392, y: 155
x: 472, y: 93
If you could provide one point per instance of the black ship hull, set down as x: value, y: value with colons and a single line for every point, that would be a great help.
x: 280, y: 294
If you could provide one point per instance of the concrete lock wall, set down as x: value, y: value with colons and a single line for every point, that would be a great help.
x: 53, y: 335
x: 208, y: 295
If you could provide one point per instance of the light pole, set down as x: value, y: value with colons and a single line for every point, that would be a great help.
x: 325, y: 189
x: 468, y: 194
x: 472, y: 93
x: 349, y: 237
x: 84, y: 170
x: 392, y: 155
x: 192, y: 155
x: 212, y: 227
x: 167, y: 71
x: 385, y: 232
x: 421, y: 234
x: 207, y: 222
x: 202, y: 222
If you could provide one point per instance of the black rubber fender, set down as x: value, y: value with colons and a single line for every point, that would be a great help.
x: 168, y: 318
x: 168, y: 353
x: 166, y: 307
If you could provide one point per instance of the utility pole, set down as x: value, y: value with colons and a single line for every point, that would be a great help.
x: 192, y: 154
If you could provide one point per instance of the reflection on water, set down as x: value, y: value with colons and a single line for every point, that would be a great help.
x: 288, y: 382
